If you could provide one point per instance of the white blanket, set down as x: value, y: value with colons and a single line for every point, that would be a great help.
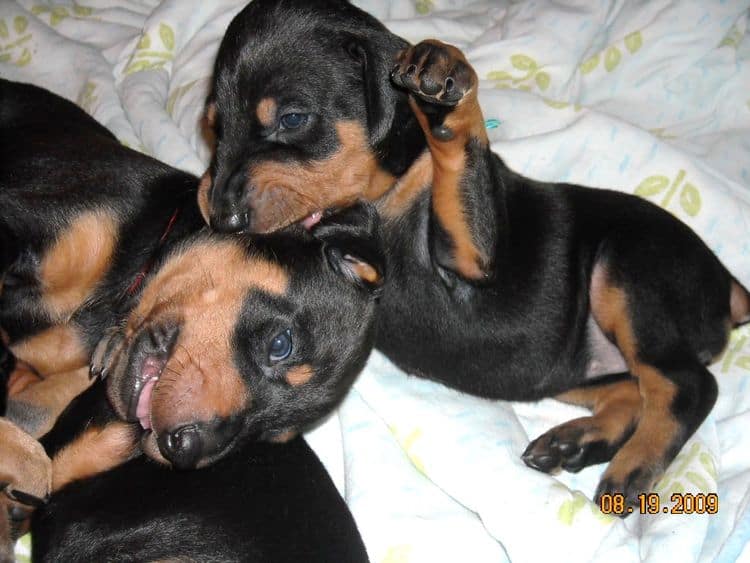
x: 650, y: 97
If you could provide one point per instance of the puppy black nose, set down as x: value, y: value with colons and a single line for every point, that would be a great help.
x: 182, y: 447
x: 230, y: 209
x: 230, y: 222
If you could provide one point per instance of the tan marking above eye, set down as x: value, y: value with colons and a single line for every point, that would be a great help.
x: 299, y: 375
x: 76, y: 262
x: 266, y: 112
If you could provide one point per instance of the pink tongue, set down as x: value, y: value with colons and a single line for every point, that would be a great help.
x: 309, y: 222
x: 143, y: 410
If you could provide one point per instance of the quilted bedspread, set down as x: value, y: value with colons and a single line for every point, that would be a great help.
x: 650, y: 97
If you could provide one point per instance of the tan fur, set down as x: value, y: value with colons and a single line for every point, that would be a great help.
x: 207, y: 123
x: 405, y: 192
x: 299, y: 375
x: 266, y: 112
x: 284, y: 437
x: 739, y: 304
x: 77, y: 261
x: 203, y: 203
x: 449, y: 164
x: 210, y: 115
x: 23, y: 463
x: 93, y: 452
x: 615, y: 407
x: 363, y: 270
x: 49, y: 397
x: 204, y: 287
x: 657, y: 429
x: 448, y: 168
x: 284, y: 193
x: 22, y: 376
x: 55, y: 350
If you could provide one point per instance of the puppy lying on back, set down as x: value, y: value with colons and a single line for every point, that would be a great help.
x: 211, y: 340
x: 498, y: 285
x: 259, y: 503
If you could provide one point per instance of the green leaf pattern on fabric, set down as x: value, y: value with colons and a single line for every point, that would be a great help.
x: 737, y: 353
x: 150, y: 53
x: 177, y: 94
x: 733, y: 38
x: 424, y: 6
x: 571, y: 508
x: 408, y: 439
x: 531, y: 75
x: 612, y: 55
x: 693, y: 468
x: 590, y: 64
x: 59, y: 12
x: 15, y: 41
x: 398, y: 554
x: 612, y: 58
x: 87, y: 98
x: 689, y: 200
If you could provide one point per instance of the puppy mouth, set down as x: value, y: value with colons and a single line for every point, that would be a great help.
x: 143, y: 388
x: 148, y: 357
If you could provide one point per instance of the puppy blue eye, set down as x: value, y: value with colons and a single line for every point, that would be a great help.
x: 293, y: 120
x: 280, y: 347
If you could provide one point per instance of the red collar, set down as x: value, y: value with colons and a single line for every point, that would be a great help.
x: 141, y: 275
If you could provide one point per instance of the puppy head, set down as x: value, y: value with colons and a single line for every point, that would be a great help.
x: 301, y: 109
x: 236, y: 339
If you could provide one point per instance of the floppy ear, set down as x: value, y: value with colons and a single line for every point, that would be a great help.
x: 353, y: 246
x: 376, y: 56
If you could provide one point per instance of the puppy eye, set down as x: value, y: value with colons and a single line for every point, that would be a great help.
x: 280, y: 347
x: 293, y: 120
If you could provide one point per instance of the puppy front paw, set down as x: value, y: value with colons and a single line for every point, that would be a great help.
x: 107, y: 353
x: 25, y: 468
x: 435, y: 72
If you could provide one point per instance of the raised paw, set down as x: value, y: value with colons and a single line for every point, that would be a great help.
x: 434, y: 72
x: 570, y: 446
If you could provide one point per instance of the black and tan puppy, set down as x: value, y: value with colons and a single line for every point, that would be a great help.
x: 259, y: 503
x: 501, y: 286
x: 211, y: 339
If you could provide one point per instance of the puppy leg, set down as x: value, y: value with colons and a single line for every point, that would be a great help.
x: 37, y: 406
x: 443, y: 88
x: 96, y: 450
x: 25, y: 469
x: 578, y: 443
x: 677, y: 391
x: 55, y: 350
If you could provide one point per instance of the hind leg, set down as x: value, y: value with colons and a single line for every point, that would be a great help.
x: 615, y: 403
x: 677, y: 391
